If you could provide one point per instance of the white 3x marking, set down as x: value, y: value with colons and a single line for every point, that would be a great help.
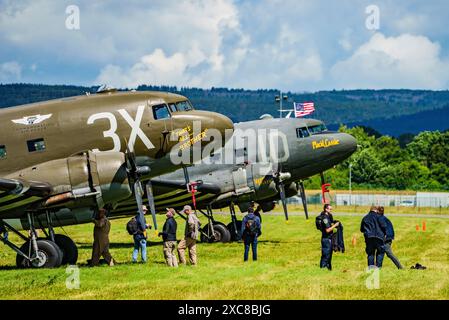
x: 134, y: 124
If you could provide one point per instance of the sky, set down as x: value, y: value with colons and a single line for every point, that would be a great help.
x: 288, y: 45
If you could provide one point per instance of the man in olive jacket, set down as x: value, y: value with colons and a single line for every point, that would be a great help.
x: 101, y: 239
x: 190, y: 235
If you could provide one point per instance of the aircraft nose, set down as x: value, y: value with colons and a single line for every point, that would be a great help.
x: 223, y: 123
x: 214, y: 121
x: 348, y: 144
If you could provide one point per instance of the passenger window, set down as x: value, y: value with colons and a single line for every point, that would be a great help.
x: 302, y: 132
x: 161, y: 112
x: 36, y: 145
x: 2, y: 152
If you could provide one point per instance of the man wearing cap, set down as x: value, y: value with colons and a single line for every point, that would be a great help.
x: 140, y: 237
x: 169, y: 237
x: 190, y: 235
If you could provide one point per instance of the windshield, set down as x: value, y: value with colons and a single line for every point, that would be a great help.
x: 317, y: 129
x: 181, y: 106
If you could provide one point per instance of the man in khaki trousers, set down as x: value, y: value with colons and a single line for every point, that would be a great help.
x: 190, y: 235
x: 101, y: 239
x: 169, y: 237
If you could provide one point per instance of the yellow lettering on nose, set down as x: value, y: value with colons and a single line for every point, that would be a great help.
x: 325, y: 143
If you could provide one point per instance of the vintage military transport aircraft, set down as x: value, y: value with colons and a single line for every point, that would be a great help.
x: 270, y: 159
x: 62, y: 160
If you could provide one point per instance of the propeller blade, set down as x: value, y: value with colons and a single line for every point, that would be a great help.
x: 138, y: 196
x: 283, y: 199
x: 151, y: 204
x: 304, y: 198
x: 190, y: 186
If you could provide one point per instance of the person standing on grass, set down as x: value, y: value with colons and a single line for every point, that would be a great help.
x: 374, y: 229
x: 100, y: 246
x: 190, y: 236
x: 389, y: 237
x: 250, y: 231
x: 138, y: 228
x: 169, y: 237
x: 325, y: 223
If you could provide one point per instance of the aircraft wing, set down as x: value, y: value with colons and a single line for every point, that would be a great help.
x: 16, y: 193
x: 201, y: 186
x: 167, y: 194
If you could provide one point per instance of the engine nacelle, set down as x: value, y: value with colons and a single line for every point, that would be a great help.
x: 267, y: 206
x: 291, y: 190
x: 83, y: 179
x: 264, y: 184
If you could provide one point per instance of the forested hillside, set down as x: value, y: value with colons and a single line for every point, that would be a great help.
x: 391, y: 112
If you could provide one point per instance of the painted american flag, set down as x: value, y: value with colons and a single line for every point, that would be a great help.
x: 303, y: 109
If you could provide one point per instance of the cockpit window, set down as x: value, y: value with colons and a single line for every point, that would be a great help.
x: 317, y: 129
x: 2, y: 152
x: 302, y: 132
x: 161, y: 112
x: 172, y: 107
x: 184, y: 106
x: 181, y: 106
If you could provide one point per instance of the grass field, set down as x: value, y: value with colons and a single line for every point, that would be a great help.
x: 287, y: 268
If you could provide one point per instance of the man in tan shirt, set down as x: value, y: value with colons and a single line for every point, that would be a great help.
x: 190, y: 235
x: 101, y: 239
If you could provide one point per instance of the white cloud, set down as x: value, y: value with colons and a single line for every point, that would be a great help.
x: 291, y: 45
x: 406, y: 61
x: 10, y: 71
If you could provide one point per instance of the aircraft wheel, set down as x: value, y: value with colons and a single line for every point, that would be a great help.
x: 48, y: 255
x: 230, y: 227
x: 68, y: 248
x: 221, y: 233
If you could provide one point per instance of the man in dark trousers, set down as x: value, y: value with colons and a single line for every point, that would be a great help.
x: 327, y: 229
x: 101, y: 239
x: 140, y: 237
x: 169, y: 237
x: 389, y: 237
x: 374, y: 229
x: 251, y: 228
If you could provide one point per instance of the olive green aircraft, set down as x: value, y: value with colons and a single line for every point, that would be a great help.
x: 62, y: 160
x: 268, y: 160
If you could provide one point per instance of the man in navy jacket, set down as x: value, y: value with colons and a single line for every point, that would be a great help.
x: 389, y: 237
x: 374, y: 230
x: 250, y: 231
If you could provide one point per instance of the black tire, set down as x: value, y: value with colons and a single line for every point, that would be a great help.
x: 230, y: 227
x: 68, y: 248
x: 221, y: 233
x: 48, y: 251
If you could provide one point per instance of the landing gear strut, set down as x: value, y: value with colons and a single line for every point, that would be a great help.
x: 214, y: 231
x: 235, y: 225
x: 51, y: 252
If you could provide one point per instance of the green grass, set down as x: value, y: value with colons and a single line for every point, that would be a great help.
x: 287, y: 268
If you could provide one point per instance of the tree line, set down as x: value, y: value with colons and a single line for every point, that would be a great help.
x: 381, y: 162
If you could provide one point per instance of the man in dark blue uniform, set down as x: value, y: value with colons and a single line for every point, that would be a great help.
x: 374, y: 230
x: 327, y: 229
